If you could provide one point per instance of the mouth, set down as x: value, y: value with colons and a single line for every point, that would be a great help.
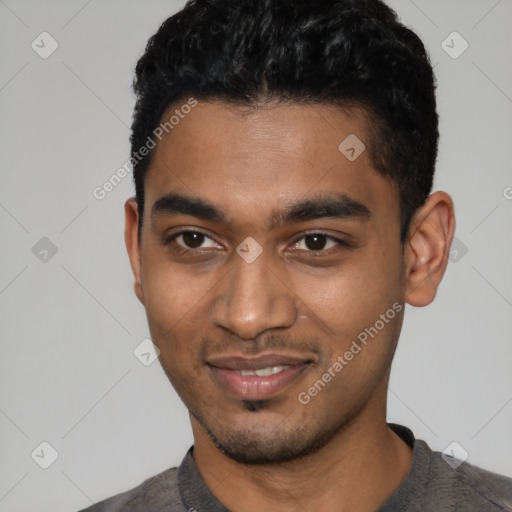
x: 257, y: 378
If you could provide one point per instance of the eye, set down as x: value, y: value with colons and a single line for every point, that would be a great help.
x: 192, y: 240
x: 318, y: 242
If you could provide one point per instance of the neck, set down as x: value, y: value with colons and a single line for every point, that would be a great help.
x: 359, y: 469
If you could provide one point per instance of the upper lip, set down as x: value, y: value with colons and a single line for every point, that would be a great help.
x: 238, y: 363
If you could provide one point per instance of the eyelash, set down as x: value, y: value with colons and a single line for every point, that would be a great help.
x: 179, y: 248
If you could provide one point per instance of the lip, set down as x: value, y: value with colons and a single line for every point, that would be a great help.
x: 225, y: 371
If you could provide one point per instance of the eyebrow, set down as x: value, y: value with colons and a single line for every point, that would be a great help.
x: 338, y: 206
x: 173, y: 203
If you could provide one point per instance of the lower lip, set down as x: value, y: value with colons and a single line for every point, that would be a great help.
x: 254, y: 387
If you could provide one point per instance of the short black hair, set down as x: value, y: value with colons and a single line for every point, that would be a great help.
x: 351, y: 53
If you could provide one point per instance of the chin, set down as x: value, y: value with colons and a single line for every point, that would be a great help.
x: 258, y: 443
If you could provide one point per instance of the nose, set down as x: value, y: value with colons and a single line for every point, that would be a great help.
x: 251, y: 299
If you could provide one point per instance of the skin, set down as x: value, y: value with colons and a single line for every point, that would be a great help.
x: 336, y: 452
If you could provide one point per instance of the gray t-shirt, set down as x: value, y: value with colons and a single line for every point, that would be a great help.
x: 432, y: 485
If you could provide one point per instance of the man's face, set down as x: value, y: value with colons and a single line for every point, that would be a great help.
x: 330, y: 266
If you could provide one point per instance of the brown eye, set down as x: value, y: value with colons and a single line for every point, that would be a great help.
x: 192, y: 239
x: 315, y: 242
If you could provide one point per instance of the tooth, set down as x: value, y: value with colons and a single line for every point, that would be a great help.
x: 271, y: 370
x: 264, y: 372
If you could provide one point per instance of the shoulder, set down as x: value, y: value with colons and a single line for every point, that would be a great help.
x: 437, y: 482
x: 472, y: 487
x: 159, y: 493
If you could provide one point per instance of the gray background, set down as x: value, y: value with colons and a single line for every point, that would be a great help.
x: 70, y: 323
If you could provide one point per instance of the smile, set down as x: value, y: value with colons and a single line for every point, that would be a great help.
x: 256, y: 378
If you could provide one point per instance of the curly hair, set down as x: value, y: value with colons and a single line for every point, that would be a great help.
x: 350, y: 53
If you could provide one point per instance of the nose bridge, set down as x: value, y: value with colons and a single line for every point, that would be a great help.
x: 252, y: 299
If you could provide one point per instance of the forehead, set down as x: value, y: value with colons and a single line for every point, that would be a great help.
x: 253, y: 161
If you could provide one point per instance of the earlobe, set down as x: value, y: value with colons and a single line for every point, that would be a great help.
x: 131, y: 238
x: 427, y: 248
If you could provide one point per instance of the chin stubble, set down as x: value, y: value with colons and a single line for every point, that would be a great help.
x: 246, y: 447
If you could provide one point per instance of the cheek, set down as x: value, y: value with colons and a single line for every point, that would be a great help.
x: 169, y: 291
x: 355, y: 294
x: 178, y: 311
x: 167, y: 302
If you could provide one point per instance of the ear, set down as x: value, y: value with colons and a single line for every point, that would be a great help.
x: 427, y: 248
x: 131, y: 238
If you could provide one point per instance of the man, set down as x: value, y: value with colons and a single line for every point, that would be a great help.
x: 283, y: 159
